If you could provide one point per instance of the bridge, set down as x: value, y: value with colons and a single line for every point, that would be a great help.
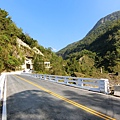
x: 45, y: 97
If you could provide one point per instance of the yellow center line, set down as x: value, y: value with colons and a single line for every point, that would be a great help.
x: 96, y: 113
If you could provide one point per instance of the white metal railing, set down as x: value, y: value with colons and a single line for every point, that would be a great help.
x: 4, y: 107
x: 98, y: 85
x: 3, y: 95
x: 2, y: 83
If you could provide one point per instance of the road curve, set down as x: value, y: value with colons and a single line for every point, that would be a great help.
x: 29, y: 98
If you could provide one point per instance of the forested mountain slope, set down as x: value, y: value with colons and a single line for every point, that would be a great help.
x: 99, y: 49
x: 111, y: 17
x: 100, y: 28
x: 12, y: 56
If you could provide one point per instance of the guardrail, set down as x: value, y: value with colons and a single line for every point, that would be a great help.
x: 97, y: 85
x: 3, y: 96
x: 2, y: 82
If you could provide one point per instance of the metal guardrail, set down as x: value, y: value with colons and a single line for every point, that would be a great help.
x: 97, y: 85
x: 3, y: 96
x: 2, y: 81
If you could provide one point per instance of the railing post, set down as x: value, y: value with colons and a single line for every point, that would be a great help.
x: 47, y: 77
x: 34, y: 75
x: 65, y: 80
x: 80, y: 82
x: 40, y: 76
x: 104, y: 85
x: 56, y: 79
x: 44, y: 77
x: 0, y: 93
x: 50, y: 78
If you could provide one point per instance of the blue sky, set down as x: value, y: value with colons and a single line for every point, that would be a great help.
x: 57, y: 23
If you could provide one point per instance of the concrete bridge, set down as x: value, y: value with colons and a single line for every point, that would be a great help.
x: 34, y: 97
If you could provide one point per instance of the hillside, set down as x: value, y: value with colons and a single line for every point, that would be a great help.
x: 100, y: 28
x: 15, y: 46
x: 98, y: 52
x: 111, y: 17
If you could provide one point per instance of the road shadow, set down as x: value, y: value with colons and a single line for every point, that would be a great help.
x: 39, y: 105
x: 105, y: 104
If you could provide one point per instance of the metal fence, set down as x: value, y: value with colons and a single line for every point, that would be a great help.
x: 3, y: 96
x: 2, y: 83
x: 98, y: 85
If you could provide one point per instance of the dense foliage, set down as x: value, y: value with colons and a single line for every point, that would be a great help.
x: 98, y: 52
x: 8, y: 33
x: 12, y: 56
x: 100, y: 49
x: 56, y: 63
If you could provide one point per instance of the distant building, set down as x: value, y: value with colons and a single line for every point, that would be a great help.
x: 47, y: 65
x: 28, y: 65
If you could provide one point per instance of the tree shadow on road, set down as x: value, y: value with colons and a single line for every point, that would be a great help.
x: 39, y: 105
x: 105, y: 104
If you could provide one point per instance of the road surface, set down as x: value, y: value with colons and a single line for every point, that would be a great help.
x: 30, y: 98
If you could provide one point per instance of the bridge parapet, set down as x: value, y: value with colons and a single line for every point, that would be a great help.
x: 2, y: 81
x: 97, y: 85
x: 3, y: 96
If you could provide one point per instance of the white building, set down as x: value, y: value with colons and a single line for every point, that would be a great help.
x: 28, y: 65
x: 47, y: 65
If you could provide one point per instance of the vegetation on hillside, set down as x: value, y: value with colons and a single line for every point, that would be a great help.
x: 8, y: 33
x: 98, y: 52
x: 106, y: 47
x: 56, y: 63
x: 12, y: 56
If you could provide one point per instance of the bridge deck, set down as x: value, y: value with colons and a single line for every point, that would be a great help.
x: 33, y: 99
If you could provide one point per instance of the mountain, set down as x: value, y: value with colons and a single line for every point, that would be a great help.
x: 100, y: 48
x: 97, y: 52
x: 100, y: 28
x: 111, y: 17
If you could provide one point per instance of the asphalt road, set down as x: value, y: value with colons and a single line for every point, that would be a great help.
x: 30, y: 98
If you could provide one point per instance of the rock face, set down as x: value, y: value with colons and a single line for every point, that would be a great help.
x: 111, y: 17
x: 37, y: 51
x: 20, y: 42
